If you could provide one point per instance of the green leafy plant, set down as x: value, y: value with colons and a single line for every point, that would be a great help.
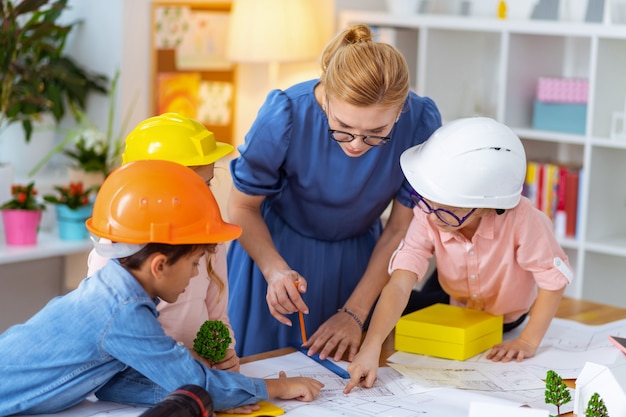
x: 596, y: 407
x: 212, y: 340
x: 89, y: 148
x: 24, y: 197
x: 35, y: 77
x: 73, y: 195
x: 556, y: 392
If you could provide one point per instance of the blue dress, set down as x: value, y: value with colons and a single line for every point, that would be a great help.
x: 322, y: 208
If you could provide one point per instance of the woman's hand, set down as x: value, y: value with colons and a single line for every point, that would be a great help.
x: 340, y: 333
x: 283, y: 297
x: 229, y: 363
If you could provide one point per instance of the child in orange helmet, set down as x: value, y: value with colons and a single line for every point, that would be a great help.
x: 173, y: 137
x: 104, y: 337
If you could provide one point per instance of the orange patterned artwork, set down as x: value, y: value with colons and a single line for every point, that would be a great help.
x: 178, y: 92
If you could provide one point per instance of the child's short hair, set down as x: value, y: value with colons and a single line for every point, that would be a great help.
x: 172, y: 252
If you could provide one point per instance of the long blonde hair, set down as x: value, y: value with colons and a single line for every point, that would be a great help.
x: 214, y: 276
x: 362, y: 72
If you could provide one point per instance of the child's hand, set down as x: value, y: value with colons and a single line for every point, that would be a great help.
x: 363, y: 369
x: 229, y: 363
x: 517, y: 349
x: 297, y: 388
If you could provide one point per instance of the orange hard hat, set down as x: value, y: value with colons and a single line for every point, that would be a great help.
x: 153, y: 201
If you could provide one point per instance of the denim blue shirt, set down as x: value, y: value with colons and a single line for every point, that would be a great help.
x: 82, y: 342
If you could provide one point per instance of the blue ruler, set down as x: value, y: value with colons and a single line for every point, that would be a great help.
x: 326, y: 363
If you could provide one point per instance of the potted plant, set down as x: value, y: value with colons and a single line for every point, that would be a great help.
x: 21, y: 215
x: 93, y: 153
x: 73, y: 206
x: 36, y: 78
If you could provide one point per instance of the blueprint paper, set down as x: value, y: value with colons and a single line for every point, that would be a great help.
x: 568, y: 345
x: 484, y: 377
x: 392, y: 394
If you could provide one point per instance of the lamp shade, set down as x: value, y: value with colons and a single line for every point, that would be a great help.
x: 274, y: 31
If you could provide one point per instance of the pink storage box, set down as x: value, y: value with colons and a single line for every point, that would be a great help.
x: 562, y: 90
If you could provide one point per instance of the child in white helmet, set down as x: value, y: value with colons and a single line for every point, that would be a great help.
x: 494, y: 250
x: 103, y: 338
x: 176, y: 138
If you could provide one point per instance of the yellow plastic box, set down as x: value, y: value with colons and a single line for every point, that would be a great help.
x: 447, y: 331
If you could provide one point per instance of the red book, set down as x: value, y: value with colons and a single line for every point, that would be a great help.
x: 560, y: 215
x: 540, y: 185
x: 560, y: 199
x: 571, y: 201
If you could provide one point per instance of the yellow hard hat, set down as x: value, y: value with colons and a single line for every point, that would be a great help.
x: 176, y: 138
x: 153, y: 201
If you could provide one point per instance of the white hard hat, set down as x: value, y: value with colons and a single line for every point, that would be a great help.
x: 474, y: 162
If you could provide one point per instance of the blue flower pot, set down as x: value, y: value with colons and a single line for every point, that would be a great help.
x: 71, y: 223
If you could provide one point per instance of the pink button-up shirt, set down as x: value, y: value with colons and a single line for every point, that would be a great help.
x: 499, y: 270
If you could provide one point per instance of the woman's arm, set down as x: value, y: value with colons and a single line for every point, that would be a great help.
x: 282, y: 295
x: 341, y: 332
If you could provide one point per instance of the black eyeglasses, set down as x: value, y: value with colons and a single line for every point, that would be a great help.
x: 446, y: 216
x: 371, y: 140
x: 340, y: 136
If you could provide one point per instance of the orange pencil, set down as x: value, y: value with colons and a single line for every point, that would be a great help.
x: 302, y: 329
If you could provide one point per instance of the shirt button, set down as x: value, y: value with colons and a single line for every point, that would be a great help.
x: 180, y: 343
x: 472, y: 276
x: 471, y: 253
x: 557, y: 262
x: 474, y: 295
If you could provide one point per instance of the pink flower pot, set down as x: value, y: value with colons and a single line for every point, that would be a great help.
x: 21, y: 226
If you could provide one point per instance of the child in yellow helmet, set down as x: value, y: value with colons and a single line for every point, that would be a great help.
x: 176, y: 138
x: 103, y: 338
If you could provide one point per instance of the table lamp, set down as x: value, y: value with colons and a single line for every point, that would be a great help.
x: 278, y: 31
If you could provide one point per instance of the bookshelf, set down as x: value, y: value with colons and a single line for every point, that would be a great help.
x: 478, y: 66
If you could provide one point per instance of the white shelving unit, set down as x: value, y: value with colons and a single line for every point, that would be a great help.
x: 476, y: 66
x: 31, y: 275
x: 48, y: 245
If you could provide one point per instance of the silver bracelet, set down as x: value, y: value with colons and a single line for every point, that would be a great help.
x: 353, y: 315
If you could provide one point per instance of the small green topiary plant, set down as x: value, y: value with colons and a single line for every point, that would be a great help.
x: 557, y: 392
x: 596, y: 407
x: 212, y: 340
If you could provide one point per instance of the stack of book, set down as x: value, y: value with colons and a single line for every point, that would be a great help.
x: 554, y: 189
x: 561, y: 105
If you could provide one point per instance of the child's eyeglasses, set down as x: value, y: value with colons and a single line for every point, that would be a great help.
x: 446, y: 216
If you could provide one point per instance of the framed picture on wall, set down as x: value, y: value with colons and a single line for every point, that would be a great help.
x: 191, y: 74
